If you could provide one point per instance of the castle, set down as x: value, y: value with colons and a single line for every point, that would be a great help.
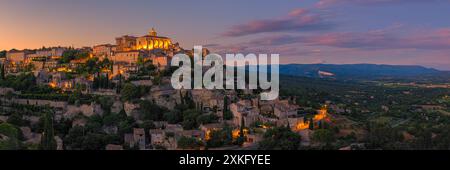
x: 146, y: 42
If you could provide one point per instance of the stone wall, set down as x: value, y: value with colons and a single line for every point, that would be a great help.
x: 4, y: 91
x: 36, y: 102
x: 86, y: 110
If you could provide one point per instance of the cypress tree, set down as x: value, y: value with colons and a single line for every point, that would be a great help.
x: 225, y: 104
x: 48, y: 138
x: 107, y: 81
x: 311, y: 124
x: 241, y: 139
x: 201, y: 107
x: 182, y: 98
x: 2, y: 73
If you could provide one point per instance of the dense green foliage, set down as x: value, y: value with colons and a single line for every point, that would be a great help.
x: 48, y: 136
x: 2, y: 54
x: 220, y: 138
x: 151, y: 111
x: 280, y: 138
x: 9, y: 137
x: 383, y: 112
x: 189, y: 143
x: 73, y: 54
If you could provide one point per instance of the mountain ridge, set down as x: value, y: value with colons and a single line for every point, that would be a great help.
x: 358, y: 70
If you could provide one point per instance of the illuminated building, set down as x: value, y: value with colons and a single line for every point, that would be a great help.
x: 104, y: 51
x: 126, y: 43
x: 147, y: 42
x: 16, y: 60
x: 78, y: 62
x: 152, y: 41
x: 15, y: 56
x: 209, y: 128
x: 322, y: 114
x: 160, y: 61
x: 302, y: 125
x: 46, y: 53
x: 237, y: 133
x: 20, y: 60
x: 129, y: 57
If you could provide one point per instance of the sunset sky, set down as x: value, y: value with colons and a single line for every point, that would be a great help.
x: 411, y: 32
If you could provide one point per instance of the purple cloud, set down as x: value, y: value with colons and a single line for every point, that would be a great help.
x: 378, y: 39
x: 296, y: 20
x: 327, y: 3
x: 211, y: 45
x: 428, y: 40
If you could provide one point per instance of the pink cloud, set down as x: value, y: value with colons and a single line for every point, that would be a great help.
x: 371, y: 42
x: 298, y: 12
x: 297, y: 20
x: 375, y: 39
x: 328, y: 3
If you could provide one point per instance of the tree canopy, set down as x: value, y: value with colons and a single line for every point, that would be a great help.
x: 280, y: 138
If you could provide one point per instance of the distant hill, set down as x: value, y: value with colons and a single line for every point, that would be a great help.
x: 357, y: 71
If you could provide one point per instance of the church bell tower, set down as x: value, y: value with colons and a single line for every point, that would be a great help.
x: 152, y: 32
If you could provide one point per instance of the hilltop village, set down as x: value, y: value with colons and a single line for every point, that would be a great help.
x: 119, y: 97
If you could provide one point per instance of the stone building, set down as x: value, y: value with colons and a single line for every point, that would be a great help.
x: 15, y: 56
x: 243, y: 111
x: 146, y: 42
x: 129, y: 57
x: 157, y: 136
x: 104, y: 51
x: 153, y: 41
x: 112, y: 147
x: 16, y: 60
x: 139, y: 137
x: 126, y: 43
x: 46, y: 53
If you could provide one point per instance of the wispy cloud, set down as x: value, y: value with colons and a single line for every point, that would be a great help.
x: 437, y: 39
x: 328, y: 3
x: 292, y: 37
x: 297, y: 20
x: 428, y: 40
x: 377, y: 46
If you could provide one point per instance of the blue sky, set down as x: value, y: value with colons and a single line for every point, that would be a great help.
x: 412, y: 32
